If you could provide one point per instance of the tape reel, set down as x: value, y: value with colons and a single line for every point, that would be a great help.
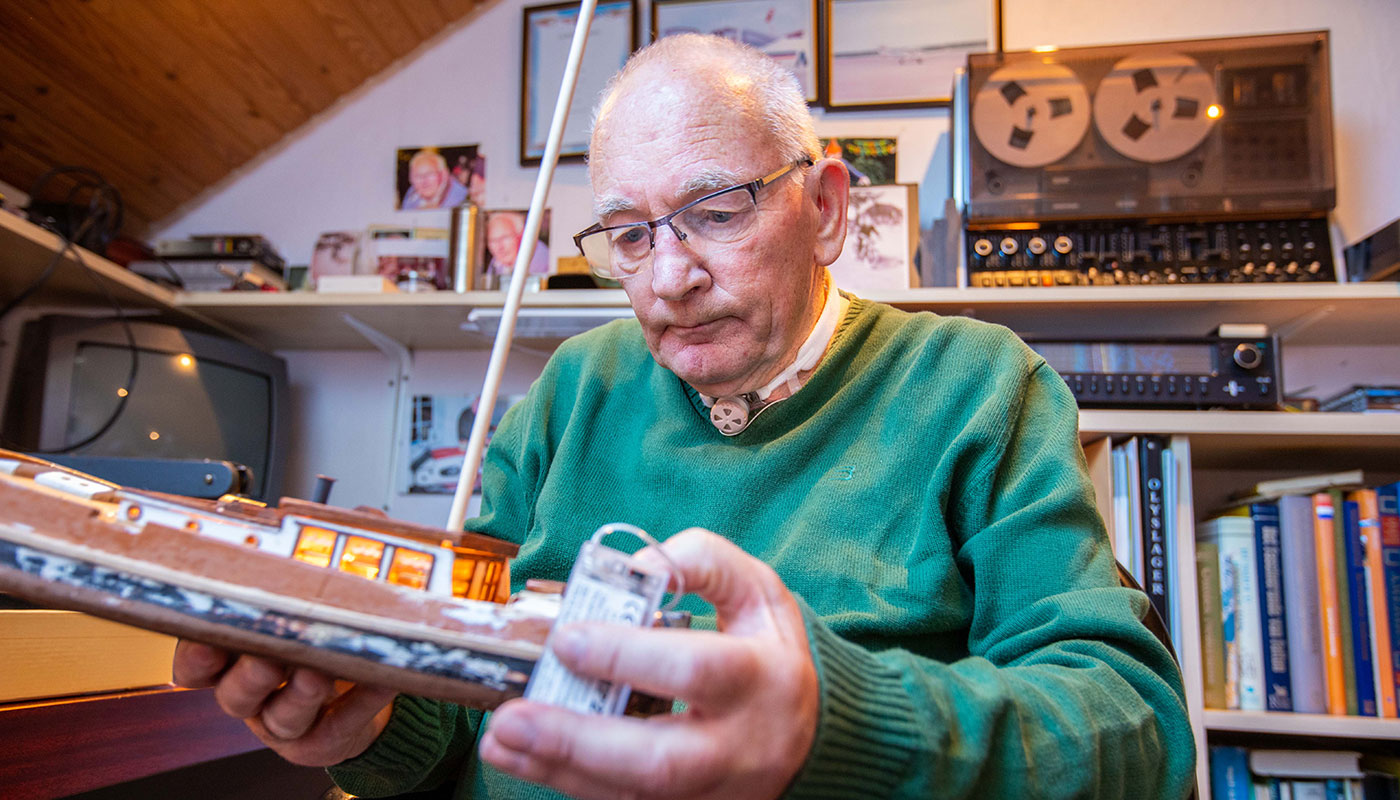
x: 1031, y: 114
x: 1155, y: 108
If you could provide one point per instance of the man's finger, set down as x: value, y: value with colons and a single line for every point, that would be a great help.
x: 704, y: 668
x: 247, y: 685
x: 602, y: 757
x: 292, y: 711
x: 197, y: 665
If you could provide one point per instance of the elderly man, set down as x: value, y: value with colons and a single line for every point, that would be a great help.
x: 910, y: 592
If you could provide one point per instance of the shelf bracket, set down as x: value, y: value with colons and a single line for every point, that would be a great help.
x: 402, y: 358
x: 1296, y: 325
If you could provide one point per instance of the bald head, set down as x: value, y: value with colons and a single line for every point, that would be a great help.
x: 717, y: 75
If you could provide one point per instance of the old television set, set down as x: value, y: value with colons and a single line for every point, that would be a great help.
x: 193, y: 396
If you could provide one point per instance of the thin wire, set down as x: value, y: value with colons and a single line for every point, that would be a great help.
x: 623, y: 527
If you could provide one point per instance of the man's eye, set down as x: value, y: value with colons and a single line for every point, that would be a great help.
x: 630, y: 236
x: 716, y: 217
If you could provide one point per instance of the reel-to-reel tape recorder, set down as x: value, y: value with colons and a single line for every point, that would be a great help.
x: 1201, y: 161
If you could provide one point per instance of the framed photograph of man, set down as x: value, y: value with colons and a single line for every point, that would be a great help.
x: 549, y: 33
x: 503, y: 232
x: 883, y: 54
x: 444, y: 176
x: 784, y: 29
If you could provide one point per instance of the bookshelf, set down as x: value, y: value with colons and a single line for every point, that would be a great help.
x: 1228, y: 451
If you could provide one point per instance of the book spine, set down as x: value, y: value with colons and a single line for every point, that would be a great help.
x: 1388, y: 505
x: 1302, y: 614
x: 1344, y: 601
x: 1212, y: 624
x: 1156, y: 565
x: 1369, y: 527
x: 1272, y: 629
x: 1229, y: 773
x: 1239, y: 556
x: 1329, y: 610
x: 1362, y: 667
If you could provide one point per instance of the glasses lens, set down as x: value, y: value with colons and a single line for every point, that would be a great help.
x: 722, y: 219
x: 618, y: 252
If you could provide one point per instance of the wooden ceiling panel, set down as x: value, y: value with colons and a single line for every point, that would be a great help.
x: 166, y: 98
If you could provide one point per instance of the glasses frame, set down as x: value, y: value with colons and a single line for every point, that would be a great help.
x: 751, y: 187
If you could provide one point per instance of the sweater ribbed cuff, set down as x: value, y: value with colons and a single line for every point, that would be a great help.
x: 401, y: 758
x: 867, y: 732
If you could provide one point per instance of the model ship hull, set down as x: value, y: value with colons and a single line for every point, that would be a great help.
x: 64, y: 551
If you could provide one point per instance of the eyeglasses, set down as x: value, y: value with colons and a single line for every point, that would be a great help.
x: 722, y: 217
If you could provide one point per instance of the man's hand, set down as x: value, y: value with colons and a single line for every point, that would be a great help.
x: 750, y: 690
x: 300, y: 713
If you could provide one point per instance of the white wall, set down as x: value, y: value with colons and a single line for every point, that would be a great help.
x: 338, y: 173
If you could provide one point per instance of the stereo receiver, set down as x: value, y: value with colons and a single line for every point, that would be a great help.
x: 1180, y: 372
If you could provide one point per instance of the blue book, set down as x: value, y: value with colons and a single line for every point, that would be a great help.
x: 1267, y: 541
x: 1388, y: 502
x: 1336, y: 790
x: 1229, y: 773
x: 1360, y: 616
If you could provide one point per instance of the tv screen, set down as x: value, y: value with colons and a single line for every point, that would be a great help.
x: 194, y: 396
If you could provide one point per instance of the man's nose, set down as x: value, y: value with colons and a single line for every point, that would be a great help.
x: 676, y: 268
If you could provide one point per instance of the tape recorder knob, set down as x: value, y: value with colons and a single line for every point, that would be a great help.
x: 982, y: 247
x: 1036, y: 246
x: 1063, y: 245
x: 1009, y: 246
x: 1247, y: 355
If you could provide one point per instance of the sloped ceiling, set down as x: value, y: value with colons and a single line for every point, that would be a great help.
x: 165, y: 98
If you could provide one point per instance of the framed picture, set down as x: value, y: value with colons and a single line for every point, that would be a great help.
x: 784, y: 29
x: 549, y: 32
x: 502, y: 233
x: 445, y: 176
x: 882, y: 236
x: 883, y: 54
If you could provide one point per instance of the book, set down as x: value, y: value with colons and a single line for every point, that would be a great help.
x: 1339, y: 546
x: 1329, y: 607
x: 1309, y: 790
x: 212, y: 274
x: 1301, y: 484
x: 1302, y: 613
x: 1305, y: 763
x: 50, y: 653
x: 1212, y: 626
x: 1388, y: 507
x: 1272, y: 600
x: 1229, y: 773
x: 1363, y: 670
x: 1122, y: 529
x: 355, y: 284
x: 1156, y: 577
x: 1239, y: 608
x: 1369, y: 529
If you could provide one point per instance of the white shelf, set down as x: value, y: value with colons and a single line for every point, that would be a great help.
x: 1315, y: 725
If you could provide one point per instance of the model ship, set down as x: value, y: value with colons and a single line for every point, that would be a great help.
x: 352, y: 593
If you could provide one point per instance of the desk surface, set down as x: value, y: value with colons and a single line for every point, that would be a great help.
x: 54, y: 748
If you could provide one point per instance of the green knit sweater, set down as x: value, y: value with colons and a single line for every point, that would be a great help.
x: 925, y: 497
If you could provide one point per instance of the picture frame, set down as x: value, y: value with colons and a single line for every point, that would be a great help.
x: 548, y: 34
x: 787, y: 30
x: 882, y: 239
x: 891, y: 54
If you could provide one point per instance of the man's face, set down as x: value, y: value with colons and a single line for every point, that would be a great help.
x: 426, y: 178
x: 727, y: 318
x: 502, y: 239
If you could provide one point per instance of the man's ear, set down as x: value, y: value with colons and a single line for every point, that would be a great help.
x: 833, y: 185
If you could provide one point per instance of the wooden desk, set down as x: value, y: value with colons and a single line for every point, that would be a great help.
x: 54, y: 748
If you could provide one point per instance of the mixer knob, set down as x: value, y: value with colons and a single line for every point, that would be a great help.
x: 1248, y: 268
x: 1315, y: 267
x: 1247, y: 355
x: 1292, y: 268
x: 982, y: 247
x: 1035, y: 246
x: 1271, y: 267
x: 1063, y: 245
x: 1009, y: 246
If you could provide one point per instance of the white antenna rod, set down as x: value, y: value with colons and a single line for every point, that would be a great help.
x: 505, y: 332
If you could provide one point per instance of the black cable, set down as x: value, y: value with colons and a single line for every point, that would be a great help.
x: 104, y: 196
